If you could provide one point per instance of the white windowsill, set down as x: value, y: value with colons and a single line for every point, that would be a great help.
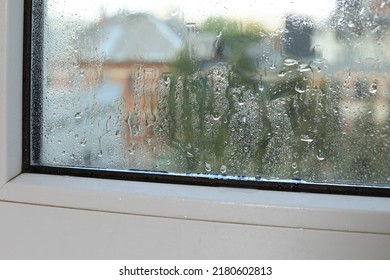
x: 227, y: 205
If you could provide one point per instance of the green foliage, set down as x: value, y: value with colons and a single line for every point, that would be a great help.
x: 183, y: 64
x: 292, y: 128
x: 233, y: 29
x: 237, y: 37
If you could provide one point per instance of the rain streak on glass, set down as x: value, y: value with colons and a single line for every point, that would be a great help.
x: 242, y: 88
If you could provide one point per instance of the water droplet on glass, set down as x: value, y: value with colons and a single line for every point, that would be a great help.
x: 83, y: 142
x: 131, y: 150
x: 294, y: 165
x: 223, y: 169
x: 100, y: 154
x: 261, y: 86
x: 262, y: 35
x: 306, y: 139
x: 167, y: 81
x: 299, y: 89
x: 216, y: 116
x: 189, y: 155
x: 304, y: 67
x: 320, y: 157
x: 290, y: 62
x: 207, y: 167
x: 78, y: 115
x: 241, y: 101
x: 373, y: 88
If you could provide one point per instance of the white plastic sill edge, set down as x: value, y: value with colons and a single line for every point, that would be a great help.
x: 296, y: 210
x: 229, y: 205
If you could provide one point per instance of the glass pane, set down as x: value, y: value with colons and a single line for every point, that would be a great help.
x: 246, y: 89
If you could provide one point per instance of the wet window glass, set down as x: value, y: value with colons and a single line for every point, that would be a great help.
x: 253, y: 90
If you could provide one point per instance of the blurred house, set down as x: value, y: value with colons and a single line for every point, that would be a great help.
x: 133, y: 51
x: 297, y: 37
x: 355, y: 53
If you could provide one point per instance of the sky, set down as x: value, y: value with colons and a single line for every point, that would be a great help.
x: 269, y: 12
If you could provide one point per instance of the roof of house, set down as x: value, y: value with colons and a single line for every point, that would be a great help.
x: 133, y: 37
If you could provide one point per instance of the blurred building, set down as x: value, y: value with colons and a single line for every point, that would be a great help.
x: 297, y: 37
x: 355, y: 48
x: 132, y: 51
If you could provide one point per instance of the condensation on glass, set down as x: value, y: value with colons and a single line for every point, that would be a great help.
x: 256, y: 89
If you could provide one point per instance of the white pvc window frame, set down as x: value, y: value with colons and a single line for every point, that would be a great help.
x: 228, y: 205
